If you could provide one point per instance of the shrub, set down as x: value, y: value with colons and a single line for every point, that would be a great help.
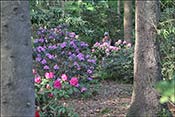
x: 115, y: 62
x: 62, y: 66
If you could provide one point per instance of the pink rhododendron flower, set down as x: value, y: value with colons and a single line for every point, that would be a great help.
x: 50, y: 95
x: 34, y: 71
x: 64, y: 77
x: 93, y: 50
x: 124, y: 42
x: 129, y: 45
x: 48, y: 86
x: 74, y: 81
x: 118, y: 42
x: 57, y: 84
x: 49, y: 75
x: 38, y: 79
x: 83, y: 89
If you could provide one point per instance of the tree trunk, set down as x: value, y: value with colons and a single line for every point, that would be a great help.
x: 17, y: 86
x: 145, y: 100
x: 128, y: 20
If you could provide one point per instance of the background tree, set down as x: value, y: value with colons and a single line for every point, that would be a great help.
x: 17, y: 87
x: 147, y: 72
x: 128, y: 20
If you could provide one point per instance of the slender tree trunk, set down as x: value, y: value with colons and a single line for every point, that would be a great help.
x: 128, y: 20
x: 17, y: 86
x: 145, y: 100
x: 119, y: 12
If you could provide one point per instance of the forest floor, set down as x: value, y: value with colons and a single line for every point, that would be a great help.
x: 109, y: 99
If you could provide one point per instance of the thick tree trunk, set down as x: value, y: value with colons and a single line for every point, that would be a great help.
x: 17, y: 86
x: 128, y: 20
x: 145, y: 100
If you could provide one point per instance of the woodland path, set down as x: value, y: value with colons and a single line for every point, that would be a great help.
x: 110, y: 99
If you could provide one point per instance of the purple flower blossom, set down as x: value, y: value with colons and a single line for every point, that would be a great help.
x: 51, y: 37
x: 89, y: 71
x: 38, y: 59
x: 91, y: 61
x: 44, y: 61
x: 81, y: 57
x: 77, y: 50
x: 52, y: 47
x: 87, y: 56
x: 69, y: 53
x: 36, y: 41
x: 41, y: 40
x: 89, y: 78
x: 40, y: 49
x: 46, y: 67
x: 75, y: 63
x: 56, y: 67
x: 63, y: 45
x: 72, y: 56
x: 49, y: 56
x: 72, y: 42
x: 83, y: 44
x: 62, y: 52
x: 72, y: 35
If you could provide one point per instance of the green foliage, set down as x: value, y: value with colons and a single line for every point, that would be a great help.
x: 167, y: 90
x: 88, y: 19
x: 167, y: 36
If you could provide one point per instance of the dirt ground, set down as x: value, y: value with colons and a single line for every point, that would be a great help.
x: 111, y: 99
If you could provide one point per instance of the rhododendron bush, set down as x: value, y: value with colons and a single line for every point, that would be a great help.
x: 62, y: 65
x: 114, y: 62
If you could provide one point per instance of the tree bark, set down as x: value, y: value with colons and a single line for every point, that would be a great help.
x: 17, y: 86
x: 128, y: 20
x: 147, y: 71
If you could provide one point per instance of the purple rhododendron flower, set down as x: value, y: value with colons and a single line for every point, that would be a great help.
x: 81, y: 57
x: 46, y: 67
x: 83, y: 44
x: 87, y: 56
x: 36, y: 41
x: 63, y: 44
x: 38, y: 59
x: 72, y: 35
x: 72, y: 56
x: 89, y: 78
x: 77, y: 50
x: 44, y: 61
x: 69, y: 53
x: 89, y: 71
x: 56, y: 67
x: 91, y: 61
x: 40, y: 49
x: 49, y: 56
x: 41, y: 40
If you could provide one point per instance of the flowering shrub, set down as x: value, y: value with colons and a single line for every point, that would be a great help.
x: 101, y: 50
x: 62, y: 65
x: 115, y: 62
